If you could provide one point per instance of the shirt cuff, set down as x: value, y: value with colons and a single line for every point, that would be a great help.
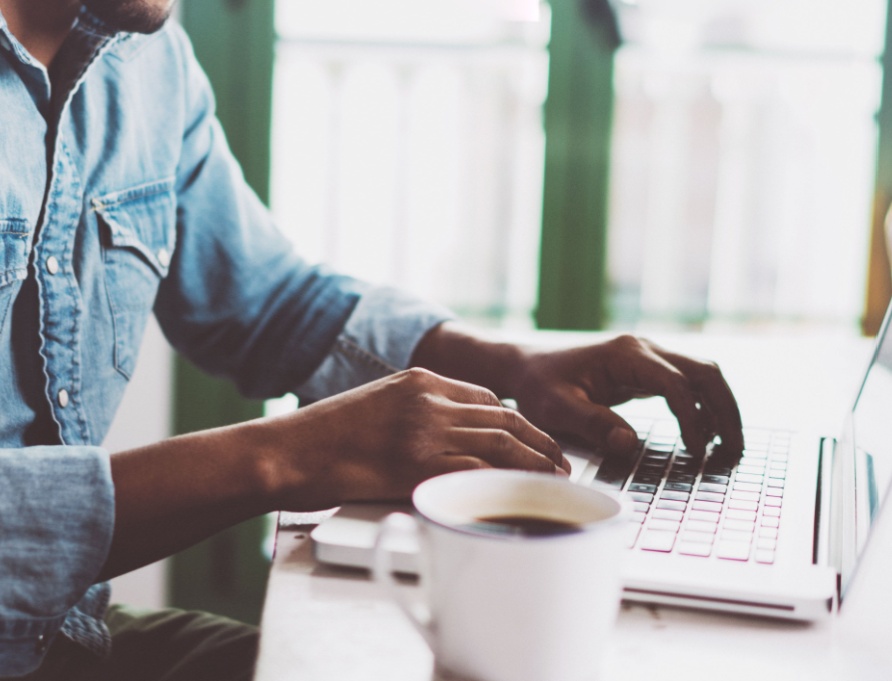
x: 377, y: 340
x: 57, y: 512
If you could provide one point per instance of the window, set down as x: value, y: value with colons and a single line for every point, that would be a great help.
x: 408, y: 146
x: 743, y: 160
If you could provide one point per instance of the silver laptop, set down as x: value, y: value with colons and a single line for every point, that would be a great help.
x: 777, y: 531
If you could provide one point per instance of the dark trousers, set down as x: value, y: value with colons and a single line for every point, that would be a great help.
x: 163, y: 645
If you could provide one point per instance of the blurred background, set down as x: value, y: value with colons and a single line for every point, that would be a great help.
x: 684, y: 165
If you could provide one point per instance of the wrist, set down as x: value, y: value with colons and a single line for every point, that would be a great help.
x: 291, y: 463
x: 459, y: 353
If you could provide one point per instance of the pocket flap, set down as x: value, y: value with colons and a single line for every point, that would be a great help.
x: 142, y: 219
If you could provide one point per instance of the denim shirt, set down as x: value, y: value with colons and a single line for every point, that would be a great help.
x: 119, y: 198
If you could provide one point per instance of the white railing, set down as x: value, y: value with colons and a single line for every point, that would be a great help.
x: 415, y: 158
x: 743, y: 160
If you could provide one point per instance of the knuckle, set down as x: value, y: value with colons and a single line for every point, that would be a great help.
x: 487, y: 397
x: 504, y: 441
x: 627, y: 341
x: 418, y: 376
x: 510, y: 420
x: 711, y: 371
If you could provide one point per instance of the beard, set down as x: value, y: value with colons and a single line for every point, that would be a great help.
x: 136, y: 16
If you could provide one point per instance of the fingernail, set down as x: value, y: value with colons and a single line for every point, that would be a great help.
x: 621, y: 439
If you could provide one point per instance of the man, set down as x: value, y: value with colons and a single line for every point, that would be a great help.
x: 119, y: 197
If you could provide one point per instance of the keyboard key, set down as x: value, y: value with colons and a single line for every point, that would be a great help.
x: 771, y: 511
x: 765, y: 557
x: 641, y: 497
x: 665, y: 525
x: 750, y: 469
x: 718, y: 468
x: 655, y: 540
x: 675, y: 496
x: 745, y: 496
x: 740, y: 526
x: 743, y: 505
x: 707, y: 506
x: 717, y: 479
x: 694, y: 549
x: 770, y: 522
x: 641, y: 487
x: 703, y: 526
x: 639, y: 507
x: 772, y: 501
x: 768, y: 532
x: 632, y: 535
x: 774, y: 492
x: 737, y: 514
x: 746, y: 487
x: 688, y: 535
x: 709, y: 496
x: 614, y: 473
x: 736, y: 536
x: 682, y: 477
x: 712, y: 487
x: 671, y: 505
x: 638, y: 517
x: 766, y: 543
x: 665, y: 514
x: 704, y: 516
x: 679, y: 486
x: 774, y: 482
x: 732, y: 550
x: 642, y: 479
x: 777, y: 474
x: 748, y: 477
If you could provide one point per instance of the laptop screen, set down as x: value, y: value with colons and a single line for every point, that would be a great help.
x: 870, y: 448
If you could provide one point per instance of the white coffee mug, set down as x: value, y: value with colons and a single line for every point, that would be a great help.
x: 520, y: 574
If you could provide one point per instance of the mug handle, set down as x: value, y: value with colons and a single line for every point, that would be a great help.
x: 402, y: 526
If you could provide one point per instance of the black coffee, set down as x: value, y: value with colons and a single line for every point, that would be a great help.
x: 523, y: 526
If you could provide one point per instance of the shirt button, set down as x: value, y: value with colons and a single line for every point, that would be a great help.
x: 52, y: 265
x: 63, y: 398
x: 164, y: 257
x: 41, y: 644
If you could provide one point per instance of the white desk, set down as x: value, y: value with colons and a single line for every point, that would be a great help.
x: 323, y: 624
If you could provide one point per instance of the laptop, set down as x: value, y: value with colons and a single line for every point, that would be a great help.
x: 777, y: 531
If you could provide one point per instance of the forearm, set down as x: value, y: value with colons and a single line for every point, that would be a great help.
x: 172, y: 494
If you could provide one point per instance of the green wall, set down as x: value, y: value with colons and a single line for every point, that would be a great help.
x: 234, y: 41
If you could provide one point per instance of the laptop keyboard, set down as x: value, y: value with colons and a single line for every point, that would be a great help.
x: 718, y: 505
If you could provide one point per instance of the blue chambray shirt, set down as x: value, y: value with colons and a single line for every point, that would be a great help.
x: 119, y: 197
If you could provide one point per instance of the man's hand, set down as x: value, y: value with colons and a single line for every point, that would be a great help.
x: 380, y: 440
x: 570, y: 391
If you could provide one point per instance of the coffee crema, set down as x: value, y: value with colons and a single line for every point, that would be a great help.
x: 522, y: 526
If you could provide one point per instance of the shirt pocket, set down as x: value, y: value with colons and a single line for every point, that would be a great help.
x: 15, y: 244
x: 138, y: 234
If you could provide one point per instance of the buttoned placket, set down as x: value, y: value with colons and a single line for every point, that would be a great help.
x: 61, y: 314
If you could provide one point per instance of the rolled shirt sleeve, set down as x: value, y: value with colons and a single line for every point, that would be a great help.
x: 57, y: 510
x: 377, y: 340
